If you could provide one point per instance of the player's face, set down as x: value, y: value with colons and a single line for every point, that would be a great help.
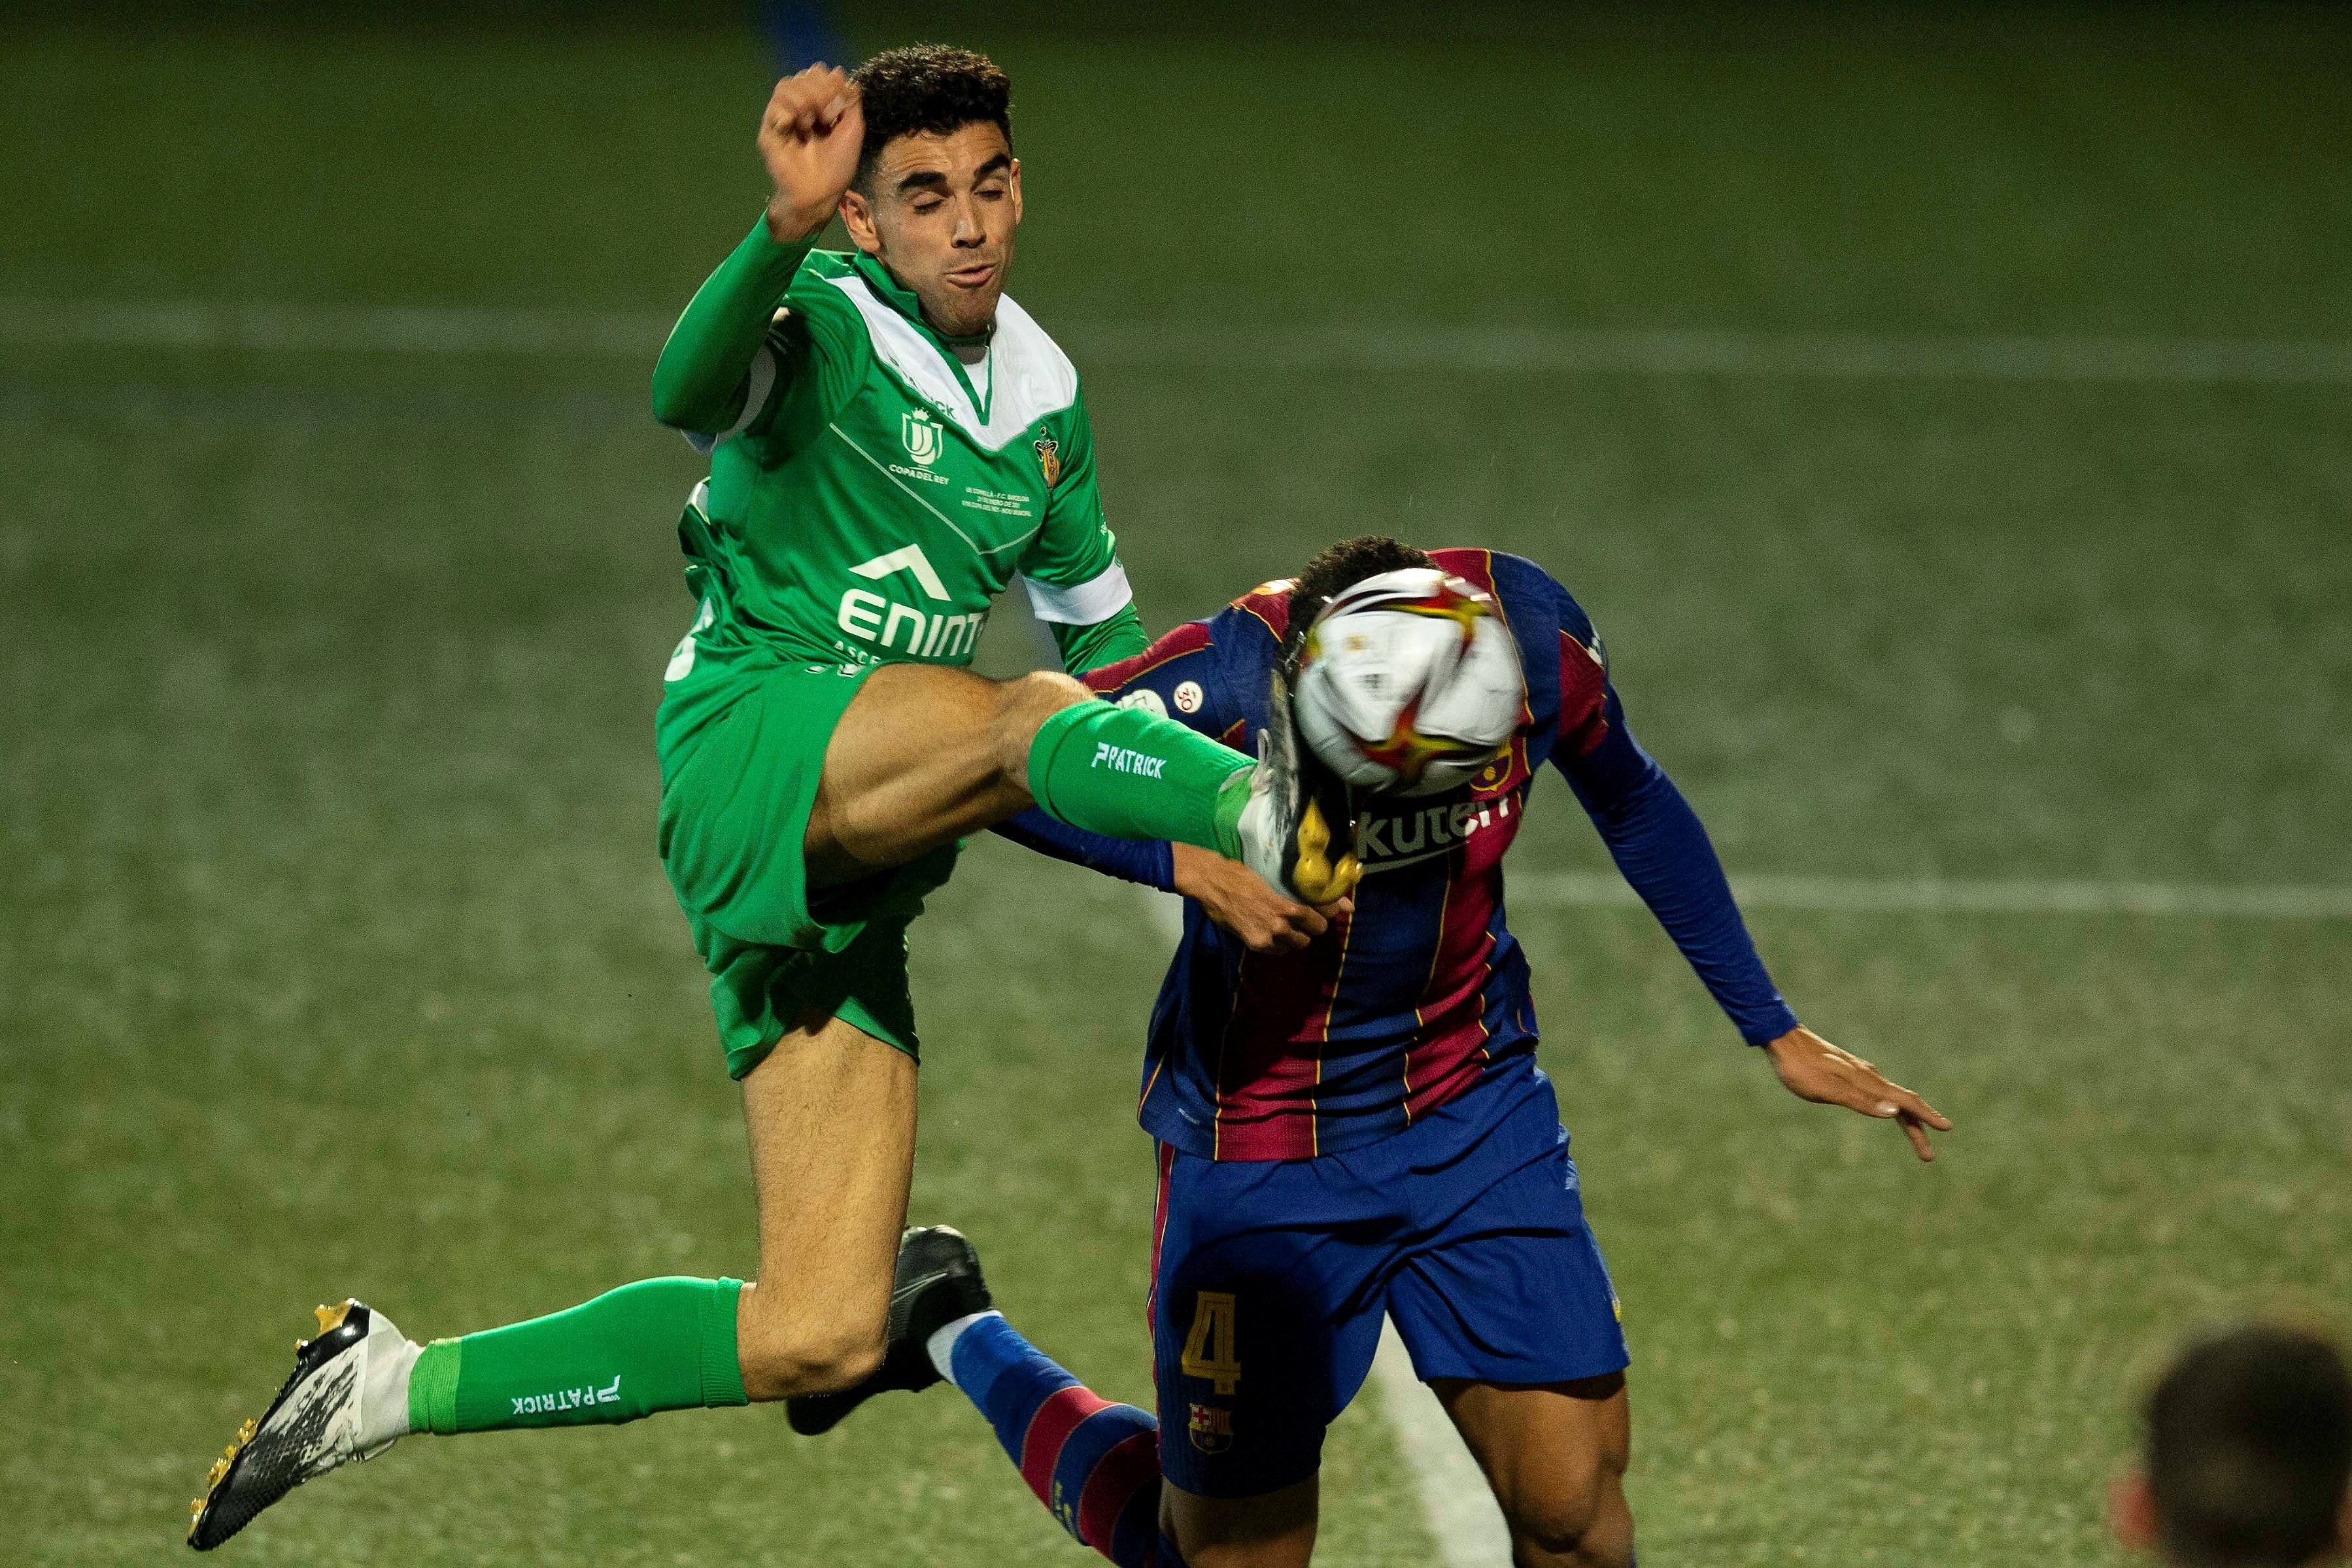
x: 941, y: 217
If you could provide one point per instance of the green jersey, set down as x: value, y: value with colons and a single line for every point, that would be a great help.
x: 874, y: 486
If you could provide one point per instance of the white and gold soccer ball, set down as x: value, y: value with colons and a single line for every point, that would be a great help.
x: 1409, y: 683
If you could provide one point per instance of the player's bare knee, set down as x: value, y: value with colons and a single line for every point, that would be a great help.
x: 1022, y: 705
x: 805, y: 1355
x: 1558, y: 1521
x: 810, y: 1364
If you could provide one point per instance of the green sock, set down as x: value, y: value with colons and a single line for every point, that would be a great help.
x: 658, y: 1344
x: 1133, y: 774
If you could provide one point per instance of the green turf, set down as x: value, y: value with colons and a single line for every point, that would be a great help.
x: 333, y: 954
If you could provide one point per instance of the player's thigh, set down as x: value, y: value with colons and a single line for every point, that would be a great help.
x: 1275, y: 1529
x: 830, y: 1113
x: 1554, y: 1454
x: 923, y: 756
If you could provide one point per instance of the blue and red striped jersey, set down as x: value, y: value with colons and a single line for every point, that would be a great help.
x: 1404, y: 1004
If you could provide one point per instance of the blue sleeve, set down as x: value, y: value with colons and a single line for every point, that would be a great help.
x: 1664, y: 854
x: 1154, y: 865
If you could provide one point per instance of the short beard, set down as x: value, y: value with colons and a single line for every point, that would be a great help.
x: 961, y: 328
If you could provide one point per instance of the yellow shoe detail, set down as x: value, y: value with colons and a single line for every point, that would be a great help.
x: 220, y: 1469
x: 1317, y: 877
x: 244, y: 1433
x: 331, y: 1318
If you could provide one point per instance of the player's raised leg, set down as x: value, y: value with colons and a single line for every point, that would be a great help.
x: 1556, y: 1458
x: 925, y: 754
x: 831, y: 1117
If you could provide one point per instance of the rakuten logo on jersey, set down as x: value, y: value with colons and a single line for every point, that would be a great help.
x: 1403, y: 838
x: 871, y: 618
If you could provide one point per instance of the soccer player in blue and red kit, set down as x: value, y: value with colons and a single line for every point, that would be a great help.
x: 1351, y: 1124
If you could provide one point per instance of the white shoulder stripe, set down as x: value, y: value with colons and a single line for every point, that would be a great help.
x: 1084, y: 604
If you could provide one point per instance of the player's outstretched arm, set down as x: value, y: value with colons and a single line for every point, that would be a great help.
x: 809, y: 139
x: 1664, y: 852
x: 1229, y: 892
x: 1814, y: 1069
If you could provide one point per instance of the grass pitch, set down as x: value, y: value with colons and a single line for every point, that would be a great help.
x: 334, y: 956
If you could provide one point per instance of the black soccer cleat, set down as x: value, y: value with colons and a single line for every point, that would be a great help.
x: 938, y: 1280
x: 312, y: 1427
x: 1298, y: 828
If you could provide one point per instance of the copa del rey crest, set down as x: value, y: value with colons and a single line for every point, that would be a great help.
x: 923, y: 435
x: 1049, y: 458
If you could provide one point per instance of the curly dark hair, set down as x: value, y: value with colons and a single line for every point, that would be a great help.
x: 1344, y: 565
x: 929, y: 88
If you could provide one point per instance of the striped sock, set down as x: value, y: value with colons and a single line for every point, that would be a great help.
x: 1092, y: 1463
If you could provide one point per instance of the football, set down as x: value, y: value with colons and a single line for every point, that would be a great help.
x: 1408, y: 682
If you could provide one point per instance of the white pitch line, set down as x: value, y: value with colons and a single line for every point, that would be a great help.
x: 1929, y: 894
x: 1472, y: 348
x: 327, y: 329
x: 1456, y: 1501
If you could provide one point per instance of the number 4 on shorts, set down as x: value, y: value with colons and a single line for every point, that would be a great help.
x: 1209, y: 1348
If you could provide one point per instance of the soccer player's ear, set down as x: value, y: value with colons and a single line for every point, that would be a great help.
x: 857, y: 217
x: 2131, y: 1512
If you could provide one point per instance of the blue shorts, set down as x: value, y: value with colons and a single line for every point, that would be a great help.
x: 1270, y: 1279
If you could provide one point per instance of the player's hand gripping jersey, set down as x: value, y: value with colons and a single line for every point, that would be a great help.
x: 1423, y: 991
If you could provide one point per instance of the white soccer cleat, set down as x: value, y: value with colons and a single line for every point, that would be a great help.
x: 1287, y: 827
x: 336, y: 1408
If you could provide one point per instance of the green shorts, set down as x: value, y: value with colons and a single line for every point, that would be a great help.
x: 741, y: 752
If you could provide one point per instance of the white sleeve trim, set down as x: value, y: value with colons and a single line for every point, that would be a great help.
x: 755, y: 400
x: 1084, y: 604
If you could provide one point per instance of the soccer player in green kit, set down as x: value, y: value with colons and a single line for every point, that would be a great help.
x: 891, y: 442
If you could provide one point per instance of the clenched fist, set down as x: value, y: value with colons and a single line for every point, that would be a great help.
x: 809, y: 138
